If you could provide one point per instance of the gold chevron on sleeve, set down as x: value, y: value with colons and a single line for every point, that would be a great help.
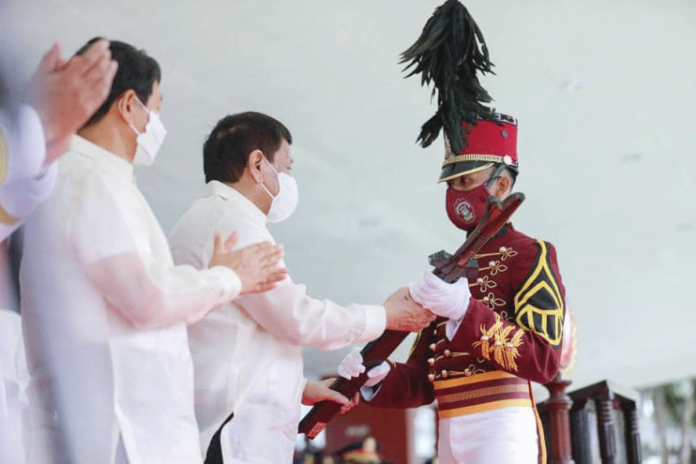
x: 539, y: 304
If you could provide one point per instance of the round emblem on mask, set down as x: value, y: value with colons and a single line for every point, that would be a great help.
x: 465, y: 211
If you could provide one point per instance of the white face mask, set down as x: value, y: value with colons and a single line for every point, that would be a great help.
x: 149, y: 141
x: 285, y: 203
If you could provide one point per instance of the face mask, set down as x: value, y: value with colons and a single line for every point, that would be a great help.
x: 149, y: 141
x: 285, y: 203
x: 466, y: 208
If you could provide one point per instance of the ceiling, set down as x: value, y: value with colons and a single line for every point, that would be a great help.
x: 604, y: 91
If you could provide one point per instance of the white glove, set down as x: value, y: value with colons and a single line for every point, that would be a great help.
x: 442, y: 299
x: 352, y: 366
x: 377, y: 374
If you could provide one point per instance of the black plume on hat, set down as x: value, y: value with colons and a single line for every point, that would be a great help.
x: 449, y: 53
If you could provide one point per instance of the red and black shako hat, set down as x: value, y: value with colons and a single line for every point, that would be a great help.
x: 489, y: 142
x: 450, y: 53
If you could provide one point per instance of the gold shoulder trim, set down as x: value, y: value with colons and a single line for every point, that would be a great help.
x: 539, y: 304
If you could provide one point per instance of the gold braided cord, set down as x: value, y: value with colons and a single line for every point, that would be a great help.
x: 472, y: 157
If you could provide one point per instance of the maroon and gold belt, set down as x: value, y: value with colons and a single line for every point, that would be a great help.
x: 482, y: 392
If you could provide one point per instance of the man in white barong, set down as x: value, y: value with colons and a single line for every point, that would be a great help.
x: 248, y: 355
x: 105, y: 308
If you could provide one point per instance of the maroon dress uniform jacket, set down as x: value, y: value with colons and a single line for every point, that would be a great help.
x: 514, y: 323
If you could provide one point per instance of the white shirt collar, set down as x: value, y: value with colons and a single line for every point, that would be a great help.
x: 103, y: 157
x: 230, y: 194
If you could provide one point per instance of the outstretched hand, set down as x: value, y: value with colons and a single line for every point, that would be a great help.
x: 404, y: 314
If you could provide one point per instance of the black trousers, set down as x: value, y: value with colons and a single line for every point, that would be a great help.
x: 214, y: 453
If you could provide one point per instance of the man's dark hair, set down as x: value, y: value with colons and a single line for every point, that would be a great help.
x: 226, y: 151
x: 136, y: 70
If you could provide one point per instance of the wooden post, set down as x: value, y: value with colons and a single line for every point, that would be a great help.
x: 606, y: 430
x: 558, y: 405
x: 632, y: 434
x: 580, y: 431
x: 608, y: 397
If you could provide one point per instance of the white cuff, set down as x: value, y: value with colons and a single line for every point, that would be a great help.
x: 451, y: 327
x: 229, y: 280
x: 375, y: 323
x: 368, y: 393
x: 22, y: 196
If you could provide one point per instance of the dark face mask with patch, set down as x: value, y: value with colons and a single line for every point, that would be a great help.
x: 466, y: 208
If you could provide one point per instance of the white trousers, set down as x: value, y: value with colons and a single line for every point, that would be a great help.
x: 505, y: 436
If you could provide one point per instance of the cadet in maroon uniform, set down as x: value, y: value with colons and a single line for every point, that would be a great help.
x: 496, y: 332
x: 502, y: 329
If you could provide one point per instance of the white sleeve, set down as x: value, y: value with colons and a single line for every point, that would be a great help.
x: 20, y: 197
x: 286, y: 311
x: 151, y: 294
x: 25, y: 145
x: 24, y: 183
x: 118, y: 241
x: 294, y: 317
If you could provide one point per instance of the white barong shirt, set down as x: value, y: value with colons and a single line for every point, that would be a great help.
x: 248, y: 355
